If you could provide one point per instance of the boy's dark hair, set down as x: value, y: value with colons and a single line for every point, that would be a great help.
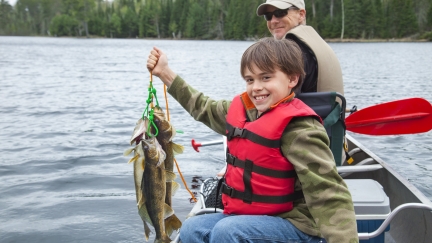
x: 269, y: 53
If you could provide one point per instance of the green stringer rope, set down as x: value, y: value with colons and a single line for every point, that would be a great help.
x: 149, y: 112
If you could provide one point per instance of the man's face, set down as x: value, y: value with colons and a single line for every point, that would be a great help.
x: 278, y: 27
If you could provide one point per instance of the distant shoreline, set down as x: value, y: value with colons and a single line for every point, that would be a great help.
x: 329, y: 40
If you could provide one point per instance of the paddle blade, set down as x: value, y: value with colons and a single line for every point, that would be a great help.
x: 408, y: 116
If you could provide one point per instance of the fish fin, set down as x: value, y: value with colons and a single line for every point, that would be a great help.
x: 128, y: 151
x: 141, y: 201
x: 172, y: 223
x: 170, y: 176
x: 168, y: 211
x: 174, y: 187
x: 147, y: 231
x: 133, y: 159
x: 177, y: 148
x: 143, y: 213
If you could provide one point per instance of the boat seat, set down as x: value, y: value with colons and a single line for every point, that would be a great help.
x: 326, y: 105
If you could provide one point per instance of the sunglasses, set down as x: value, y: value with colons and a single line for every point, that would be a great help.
x: 278, y: 13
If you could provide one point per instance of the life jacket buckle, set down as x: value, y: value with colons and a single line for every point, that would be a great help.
x: 227, y: 189
x: 230, y: 159
x: 238, y: 132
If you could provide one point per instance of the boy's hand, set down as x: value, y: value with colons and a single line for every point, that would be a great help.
x: 153, y: 64
x: 157, y: 63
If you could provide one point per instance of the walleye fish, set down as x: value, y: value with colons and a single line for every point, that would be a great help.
x: 139, y: 165
x: 165, y: 136
x: 150, y: 184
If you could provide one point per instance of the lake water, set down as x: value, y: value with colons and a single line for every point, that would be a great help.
x: 68, y: 107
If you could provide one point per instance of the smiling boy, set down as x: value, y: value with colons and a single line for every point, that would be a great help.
x: 281, y: 183
x: 269, y: 81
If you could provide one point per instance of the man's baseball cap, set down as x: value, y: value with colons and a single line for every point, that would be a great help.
x: 280, y: 4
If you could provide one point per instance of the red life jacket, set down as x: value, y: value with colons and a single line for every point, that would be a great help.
x: 259, y: 180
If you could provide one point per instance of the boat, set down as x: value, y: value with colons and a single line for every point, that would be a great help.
x: 389, y: 209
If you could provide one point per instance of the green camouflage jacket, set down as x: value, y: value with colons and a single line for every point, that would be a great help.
x: 327, y: 210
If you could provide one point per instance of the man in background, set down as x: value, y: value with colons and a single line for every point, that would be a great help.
x: 287, y: 19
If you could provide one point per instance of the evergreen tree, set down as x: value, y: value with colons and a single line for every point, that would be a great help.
x: 148, y: 26
x: 63, y: 25
x: 429, y: 17
x: 194, y: 24
x: 402, y: 18
x: 257, y: 26
x: 237, y: 20
x: 6, y: 12
x: 409, y: 24
x: 353, y: 19
x: 129, y: 21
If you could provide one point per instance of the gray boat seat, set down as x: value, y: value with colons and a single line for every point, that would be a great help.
x: 326, y: 105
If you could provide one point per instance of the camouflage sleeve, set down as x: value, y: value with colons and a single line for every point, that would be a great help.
x: 202, y: 108
x: 305, y: 144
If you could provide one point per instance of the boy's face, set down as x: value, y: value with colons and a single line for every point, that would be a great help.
x: 266, y: 89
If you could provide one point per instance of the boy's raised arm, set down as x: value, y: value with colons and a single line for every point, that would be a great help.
x: 157, y: 63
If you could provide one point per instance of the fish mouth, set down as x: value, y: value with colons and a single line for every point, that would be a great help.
x: 139, y: 131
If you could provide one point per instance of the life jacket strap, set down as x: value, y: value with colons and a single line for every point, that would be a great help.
x: 233, y: 193
x: 234, y: 161
x: 233, y: 132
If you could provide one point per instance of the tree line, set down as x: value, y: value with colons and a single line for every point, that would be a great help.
x: 210, y: 19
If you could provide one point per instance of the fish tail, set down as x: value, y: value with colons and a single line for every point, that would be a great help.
x: 172, y: 223
x: 147, y: 231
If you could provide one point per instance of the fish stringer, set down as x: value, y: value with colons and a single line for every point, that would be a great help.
x: 149, y: 112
